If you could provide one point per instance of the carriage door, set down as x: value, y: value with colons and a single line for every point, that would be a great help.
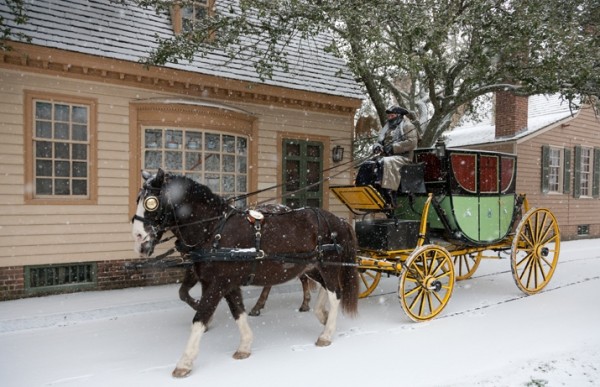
x: 302, y: 169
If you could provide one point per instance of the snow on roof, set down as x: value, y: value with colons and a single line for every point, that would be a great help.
x: 543, y: 110
x: 127, y: 32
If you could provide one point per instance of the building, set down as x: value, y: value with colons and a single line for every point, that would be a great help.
x: 558, y: 153
x: 80, y: 117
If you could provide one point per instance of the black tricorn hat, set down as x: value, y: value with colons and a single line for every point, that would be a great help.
x: 397, y: 110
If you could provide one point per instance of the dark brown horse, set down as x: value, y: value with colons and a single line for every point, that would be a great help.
x: 232, y: 247
x: 190, y: 280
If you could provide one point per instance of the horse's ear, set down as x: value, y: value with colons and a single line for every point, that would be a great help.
x: 146, y: 175
x: 159, y: 178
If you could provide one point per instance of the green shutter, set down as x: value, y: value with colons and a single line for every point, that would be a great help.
x: 567, y: 171
x: 596, y: 174
x: 545, y: 168
x: 577, y: 173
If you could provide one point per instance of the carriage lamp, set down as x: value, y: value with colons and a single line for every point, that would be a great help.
x: 440, y: 148
x: 337, y: 153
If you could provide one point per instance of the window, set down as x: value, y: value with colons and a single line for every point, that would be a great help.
x: 302, y: 173
x: 186, y: 15
x: 556, y: 169
x: 583, y: 172
x: 217, y: 160
x: 59, y: 147
x: 62, y: 277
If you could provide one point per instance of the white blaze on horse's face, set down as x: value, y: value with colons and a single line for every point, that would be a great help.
x: 140, y: 236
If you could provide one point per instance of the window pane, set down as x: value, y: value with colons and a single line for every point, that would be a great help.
x: 193, y: 140
x: 241, y: 185
x: 61, y: 112
x: 43, y: 186
x: 153, y: 138
x: 228, y: 144
x: 62, y: 168
x: 292, y: 149
x: 61, y: 187
x: 79, y: 133
x: 213, y: 182
x: 153, y: 160
x: 43, y: 149
x: 43, y: 129
x: 313, y: 151
x: 43, y: 110
x: 79, y: 170
x: 79, y: 187
x: 79, y: 152
x: 213, y: 142
x: 213, y: 162
x: 242, y: 165
x: 228, y: 163
x: 242, y: 146
x: 61, y: 131
x: 228, y: 184
x: 173, y: 160
x: 80, y: 114
x: 43, y: 168
x: 61, y: 150
x: 193, y: 161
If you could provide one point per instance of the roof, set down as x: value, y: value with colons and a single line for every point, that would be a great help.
x: 127, y: 32
x: 543, y: 111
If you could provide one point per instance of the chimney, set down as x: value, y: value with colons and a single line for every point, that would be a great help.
x: 511, y: 114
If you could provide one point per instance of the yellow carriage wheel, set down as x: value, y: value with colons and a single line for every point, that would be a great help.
x: 426, y: 282
x: 369, y: 279
x: 466, y: 264
x: 535, y: 250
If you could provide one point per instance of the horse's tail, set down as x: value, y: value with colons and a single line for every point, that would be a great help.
x: 349, y: 274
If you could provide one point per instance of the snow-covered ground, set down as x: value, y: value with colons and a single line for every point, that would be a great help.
x: 490, y: 334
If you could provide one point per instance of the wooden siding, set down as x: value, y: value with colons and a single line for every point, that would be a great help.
x: 570, y: 212
x: 43, y: 234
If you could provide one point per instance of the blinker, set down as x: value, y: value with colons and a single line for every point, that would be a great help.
x: 151, y: 203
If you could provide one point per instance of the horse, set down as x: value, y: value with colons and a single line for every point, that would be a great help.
x: 233, y: 247
x: 190, y: 280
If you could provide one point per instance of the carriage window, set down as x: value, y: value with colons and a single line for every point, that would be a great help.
x: 488, y: 173
x: 464, y: 168
x: 217, y: 160
x: 507, y: 173
x: 59, y: 144
x: 302, y: 173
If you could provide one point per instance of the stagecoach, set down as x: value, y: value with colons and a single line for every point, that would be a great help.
x: 454, y: 208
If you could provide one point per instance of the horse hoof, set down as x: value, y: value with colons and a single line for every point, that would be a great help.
x: 181, y: 372
x: 304, y: 308
x: 323, y: 343
x: 239, y: 355
x: 254, y: 312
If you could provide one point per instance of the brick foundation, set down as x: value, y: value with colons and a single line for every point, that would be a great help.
x: 110, y: 275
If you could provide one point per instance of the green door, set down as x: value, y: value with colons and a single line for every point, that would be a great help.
x: 302, y: 173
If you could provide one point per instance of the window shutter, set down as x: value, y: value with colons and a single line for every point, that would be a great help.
x: 567, y: 171
x: 577, y: 173
x: 596, y: 174
x: 545, y: 168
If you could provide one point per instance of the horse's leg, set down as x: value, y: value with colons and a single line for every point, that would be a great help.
x: 261, y: 301
x: 236, y: 306
x: 211, y: 295
x: 320, y: 310
x: 188, y: 282
x: 334, y: 303
x: 305, y: 307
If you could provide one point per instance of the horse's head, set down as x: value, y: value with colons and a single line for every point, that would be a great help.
x: 175, y: 203
x: 149, y: 221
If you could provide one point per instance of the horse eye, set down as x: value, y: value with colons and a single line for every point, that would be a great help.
x: 151, y: 203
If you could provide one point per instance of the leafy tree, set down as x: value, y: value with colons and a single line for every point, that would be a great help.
x: 17, y: 10
x: 436, y: 57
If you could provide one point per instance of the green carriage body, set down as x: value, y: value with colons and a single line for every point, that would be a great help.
x: 474, y: 195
